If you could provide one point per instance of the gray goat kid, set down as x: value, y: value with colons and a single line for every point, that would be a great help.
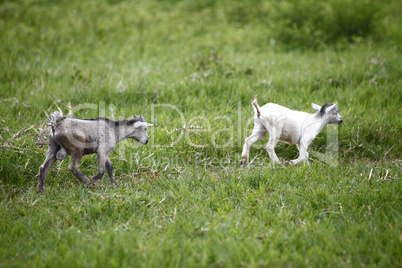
x: 79, y: 137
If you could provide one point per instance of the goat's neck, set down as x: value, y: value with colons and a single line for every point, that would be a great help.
x: 313, y: 125
x: 122, y: 131
x: 319, y: 123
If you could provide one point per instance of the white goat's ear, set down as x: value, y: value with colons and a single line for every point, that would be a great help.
x: 316, y: 107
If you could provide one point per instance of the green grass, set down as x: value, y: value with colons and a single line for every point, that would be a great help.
x: 183, y: 200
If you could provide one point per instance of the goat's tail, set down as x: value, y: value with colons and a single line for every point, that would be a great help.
x: 256, y: 108
x: 52, y: 118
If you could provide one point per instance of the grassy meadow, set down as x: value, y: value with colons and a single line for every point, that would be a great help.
x: 191, y: 68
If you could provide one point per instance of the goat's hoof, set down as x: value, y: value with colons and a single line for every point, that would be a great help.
x: 41, y: 189
x: 292, y: 163
x: 286, y: 163
x: 243, y: 162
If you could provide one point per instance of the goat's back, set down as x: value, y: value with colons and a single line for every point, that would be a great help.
x: 277, y: 110
x: 88, y: 134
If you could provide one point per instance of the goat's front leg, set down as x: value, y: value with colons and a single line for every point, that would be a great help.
x: 76, y: 156
x: 101, y: 167
x: 47, y: 164
x: 109, y: 169
x: 303, y: 155
x: 258, y: 132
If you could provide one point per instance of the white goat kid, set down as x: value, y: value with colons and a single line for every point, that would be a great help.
x: 284, y: 124
x: 79, y: 137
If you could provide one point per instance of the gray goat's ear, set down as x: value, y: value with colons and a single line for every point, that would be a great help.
x: 142, y: 124
x: 142, y: 119
x: 316, y: 107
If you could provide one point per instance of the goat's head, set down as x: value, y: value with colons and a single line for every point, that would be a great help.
x: 138, y: 129
x: 329, y: 112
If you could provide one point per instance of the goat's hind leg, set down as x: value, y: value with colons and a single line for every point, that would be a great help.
x: 273, y: 141
x: 258, y: 132
x: 76, y: 157
x: 109, y: 169
x: 47, y: 164
x: 101, y: 168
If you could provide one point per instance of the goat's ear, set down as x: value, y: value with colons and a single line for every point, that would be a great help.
x: 332, y: 106
x: 143, y: 124
x: 316, y: 107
